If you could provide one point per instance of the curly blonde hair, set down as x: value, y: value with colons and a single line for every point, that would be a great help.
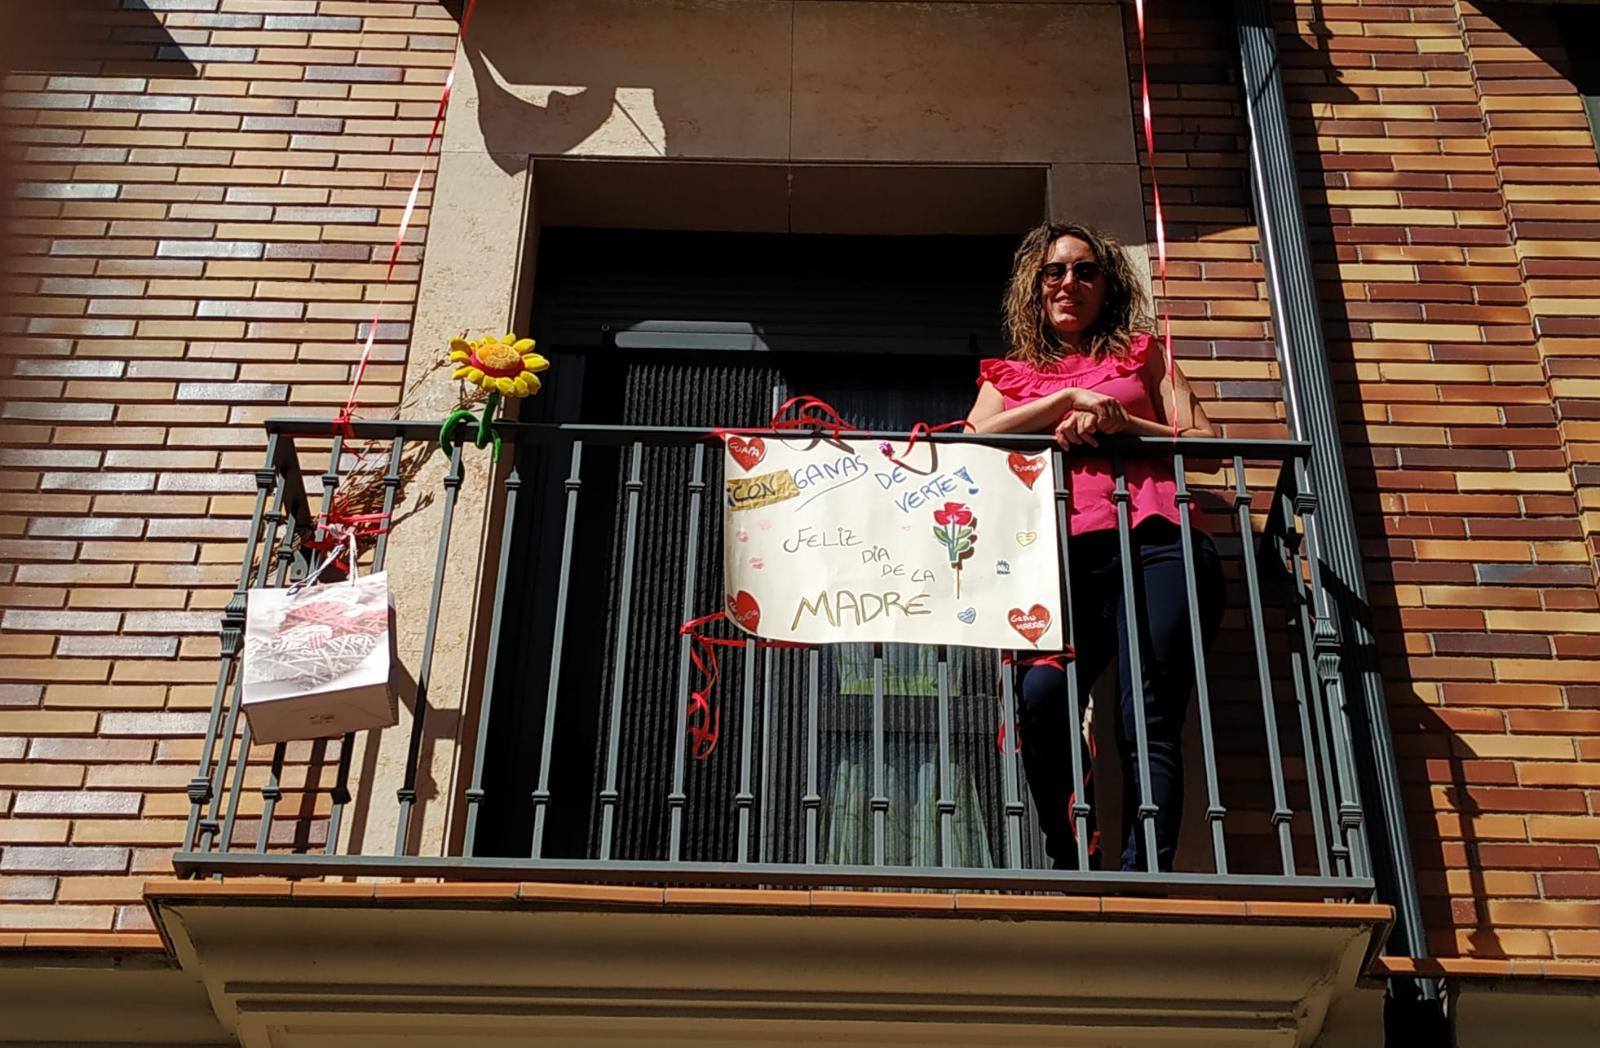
x: 1125, y: 313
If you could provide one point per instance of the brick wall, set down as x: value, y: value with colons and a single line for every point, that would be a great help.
x: 206, y: 194
x: 1435, y: 145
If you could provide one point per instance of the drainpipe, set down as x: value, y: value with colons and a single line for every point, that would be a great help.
x: 1308, y: 391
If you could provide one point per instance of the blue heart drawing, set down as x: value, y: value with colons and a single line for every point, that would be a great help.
x: 969, y: 616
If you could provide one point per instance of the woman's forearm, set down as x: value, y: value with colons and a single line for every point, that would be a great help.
x: 1144, y: 427
x: 1036, y: 416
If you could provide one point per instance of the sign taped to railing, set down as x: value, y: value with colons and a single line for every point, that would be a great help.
x: 829, y: 540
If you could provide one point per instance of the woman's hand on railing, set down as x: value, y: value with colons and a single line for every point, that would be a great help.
x: 1076, y: 428
x: 1108, y: 413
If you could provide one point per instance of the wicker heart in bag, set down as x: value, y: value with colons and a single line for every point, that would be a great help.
x: 318, y: 641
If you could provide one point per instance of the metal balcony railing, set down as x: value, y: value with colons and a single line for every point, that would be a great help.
x: 852, y: 765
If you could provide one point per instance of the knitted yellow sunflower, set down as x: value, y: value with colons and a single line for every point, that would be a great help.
x: 506, y: 365
x: 503, y: 367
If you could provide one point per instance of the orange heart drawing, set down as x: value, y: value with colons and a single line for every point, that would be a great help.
x: 1031, y: 623
x: 1027, y: 469
x: 747, y: 453
x: 744, y: 611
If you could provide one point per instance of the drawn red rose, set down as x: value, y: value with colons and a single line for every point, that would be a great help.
x: 953, y: 513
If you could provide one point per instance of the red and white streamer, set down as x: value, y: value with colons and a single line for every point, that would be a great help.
x: 1161, y: 225
x: 342, y: 421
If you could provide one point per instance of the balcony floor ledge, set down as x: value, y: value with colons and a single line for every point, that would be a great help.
x: 312, y: 964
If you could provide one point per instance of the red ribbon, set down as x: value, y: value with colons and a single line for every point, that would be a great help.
x: 1161, y: 224
x: 825, y: 419
x: 341, y: 422
x: 1054, y: 659
x: 332, y: 525
x: 705, y: 719
x: 919, y: 430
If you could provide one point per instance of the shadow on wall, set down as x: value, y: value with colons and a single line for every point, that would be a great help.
x: 1463, y: 811
x: 767, y: 81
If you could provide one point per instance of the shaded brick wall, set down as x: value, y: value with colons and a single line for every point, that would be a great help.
x: 1436, y: 142
x: 207, y: 192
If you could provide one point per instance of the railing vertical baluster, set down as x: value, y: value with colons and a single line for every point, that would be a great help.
x: 235, y: 790
x: 391, y: 489
x: 678, y: 799
x: 1287, y: 556
x: 1080, y: 803
x: 1327, y: 643
x: 1281, y: 815
x: 407, y: 793
x: 330, y: 484
x: 1215, y: 812
x: 340, y: 793
x: 1008, y: 768
x: 1338, y: 849
x: 745, y: 800
x: 276, y: 518
x: 199, y: 831
x: 880, y: 800
x: 769, y: 791
x: 541, y: 793
x: 508, y: 533
x: 1130, y: 607
x: 945, y: 806
x: 270, y: 794
x: 609, y: 795
x: 271, y: 791
x: 812, y: 801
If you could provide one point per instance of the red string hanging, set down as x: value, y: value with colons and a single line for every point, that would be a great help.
x: 1161, y: 224
x: 341, y: 422
x: 704, y: 718
x: 918, y: 431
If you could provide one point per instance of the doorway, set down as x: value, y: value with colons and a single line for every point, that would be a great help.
x: 712, y: 330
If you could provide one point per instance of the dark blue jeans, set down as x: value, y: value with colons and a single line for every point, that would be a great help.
x: 1167, y: 654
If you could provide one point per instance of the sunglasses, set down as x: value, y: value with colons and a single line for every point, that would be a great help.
x: 1084, y: 272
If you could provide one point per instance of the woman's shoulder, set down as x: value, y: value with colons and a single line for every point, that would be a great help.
x: 998, y: 371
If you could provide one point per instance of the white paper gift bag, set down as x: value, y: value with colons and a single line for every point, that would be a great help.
x: 317, y: 659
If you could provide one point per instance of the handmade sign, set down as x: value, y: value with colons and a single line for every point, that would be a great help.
x: 827, y: 541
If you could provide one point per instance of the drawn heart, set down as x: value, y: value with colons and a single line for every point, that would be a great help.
x: 968, y: 616
x: 747, y: 453
x: 1026, y: 468
x: 744, y: 611
x: 1031, y: 623
x: 1025, y: 538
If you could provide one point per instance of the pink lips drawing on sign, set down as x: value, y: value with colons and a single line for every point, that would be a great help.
x: 747, y: 453
x: 744, y: 611
x: 1031, y: 623
x: 1026, y: 468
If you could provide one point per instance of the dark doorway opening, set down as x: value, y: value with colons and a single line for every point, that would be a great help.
x: 706, y: 330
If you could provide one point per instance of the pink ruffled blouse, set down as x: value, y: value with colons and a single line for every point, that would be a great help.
x: 1150, y: 482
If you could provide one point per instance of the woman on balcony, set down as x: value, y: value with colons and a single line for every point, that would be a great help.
x: 1082, y: 364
